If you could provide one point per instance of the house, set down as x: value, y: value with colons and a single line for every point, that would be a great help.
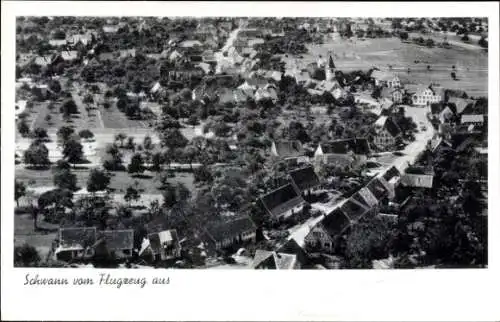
x: 117, y: 243
x: 85, y: 39
x: 22, y: 59
x: 321, y: 237
x: 231, y: 232
x: 425, y: 96
x: 175, y: 56
x: 385, y: 79
x: 208, y: 56
x: 287, y: 150
x: 106, y: 56
x: 125, y: 53
x: 264, y: 259
x: 163, y: 245
x: 43, y: 61
x: 69, y: 55
x: 418, y: 177
x: 344, y: 152
x: 75, y: 243
x: 282, y: 202
x: 304, y: 179
x: 446, y: 115
x: 190, y: 44
x: 110, y: 29
x: 267, y: 92
x: 57, y: 42
x: 397, y: 96
x: 381, y: 188
x: 472, y: 119
x: 387, y: 131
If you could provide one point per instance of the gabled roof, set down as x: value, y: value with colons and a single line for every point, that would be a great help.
x: 77, y: 237
x: 162, y: 239
x: 289, y: 149
x: 460, y: 103
x: 69, y: 54
x: 336, y: 222
x: 391, y: 173
x: 331, y: 64
x: 377, y: 188
x: 231, y: 228
x: 305, y: 178
x: 388, y: 124
x: 354, y: 209
x: 282, y: 200
x: 118, y: 239
x: 273, y: 260
x: 357, y: 146
x: 365, y: 197
x: 43, y: 60
x: 190, y: 43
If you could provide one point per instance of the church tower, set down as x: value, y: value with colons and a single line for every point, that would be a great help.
x: 330, y: 68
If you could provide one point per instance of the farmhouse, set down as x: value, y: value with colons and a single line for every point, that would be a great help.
x: 283, y: 202
x: 57, y: 42
x: 287, y: 150
x: 387, y: 131
x: 425, y: 96
x: 460, y: 104
x: 321, y: 236
x: 264, y: 259
x: 163, y: 245
x: 232, y: 232
x: 75, y: 243
x: 385, y: 79
x: 43, y: 61
x: 344, y: 152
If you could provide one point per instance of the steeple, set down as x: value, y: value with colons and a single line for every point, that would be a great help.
x: 330, y: 68
x: 330, y: 62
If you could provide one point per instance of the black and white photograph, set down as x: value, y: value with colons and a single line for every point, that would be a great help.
x: 240, y: 142
x: 258, y: 143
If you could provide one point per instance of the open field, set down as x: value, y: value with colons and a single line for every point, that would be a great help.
x: 24, y: 232
x: 119, y: 181
x: 354, y: 54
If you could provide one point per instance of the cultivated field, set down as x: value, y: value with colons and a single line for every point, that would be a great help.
x: 356, y: 54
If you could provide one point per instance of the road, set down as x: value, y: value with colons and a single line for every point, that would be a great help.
x: 219, y: 56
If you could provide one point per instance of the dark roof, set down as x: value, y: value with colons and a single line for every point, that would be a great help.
x: 392, y: 127
x: 391, y: 173
x: 289, y: 149
x: 77, y: 237
x: 365, y: 197
x: 335, y: 222
x: 358, y: 146
x: 305, y: 178
x: 232, y: 228
x: 331, y: 64
x: 118, y: 239
x: 161, y: 239
x: 353, y: 209
x: 436, y: 108
x: 377, y: 188
x: 282, y: 199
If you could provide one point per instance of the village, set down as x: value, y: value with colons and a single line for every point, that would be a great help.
x: 251, y: 143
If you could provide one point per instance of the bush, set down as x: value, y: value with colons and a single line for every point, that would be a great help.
x: 26, y: 256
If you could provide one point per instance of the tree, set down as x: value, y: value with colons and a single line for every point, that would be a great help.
x: 366, y: 242
x: 40, y: 134
x: 157, y: 160
x: 136, y: 165
x: 48, y: 119
x: 202, y: 174
x: 148, y: 143
x: 377, y: 91
x: 174, y: 195
x: 86, y: 134
x: 403, y: 35
x: 88, y: 99
x: 173, y: 138
x: 19, y: 191
x: 64, y: 133
x: 69, y: 107
x: 73, y: 151
x: 55, y: 86
x: 23, y: 128
x: 429, y: 43
x: 483, y: 42
x: 37, y: 155
x: 465, y: 37
x: 121, y: 138
x: 98, y: 180
x: 113, y: 159
x: 65, y: 179
x: 26, y: 256
x: 131, y: 194
x: 122, y: 104
x: 453, y: 75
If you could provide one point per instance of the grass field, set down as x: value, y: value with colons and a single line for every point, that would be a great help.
x: 119, y: 181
